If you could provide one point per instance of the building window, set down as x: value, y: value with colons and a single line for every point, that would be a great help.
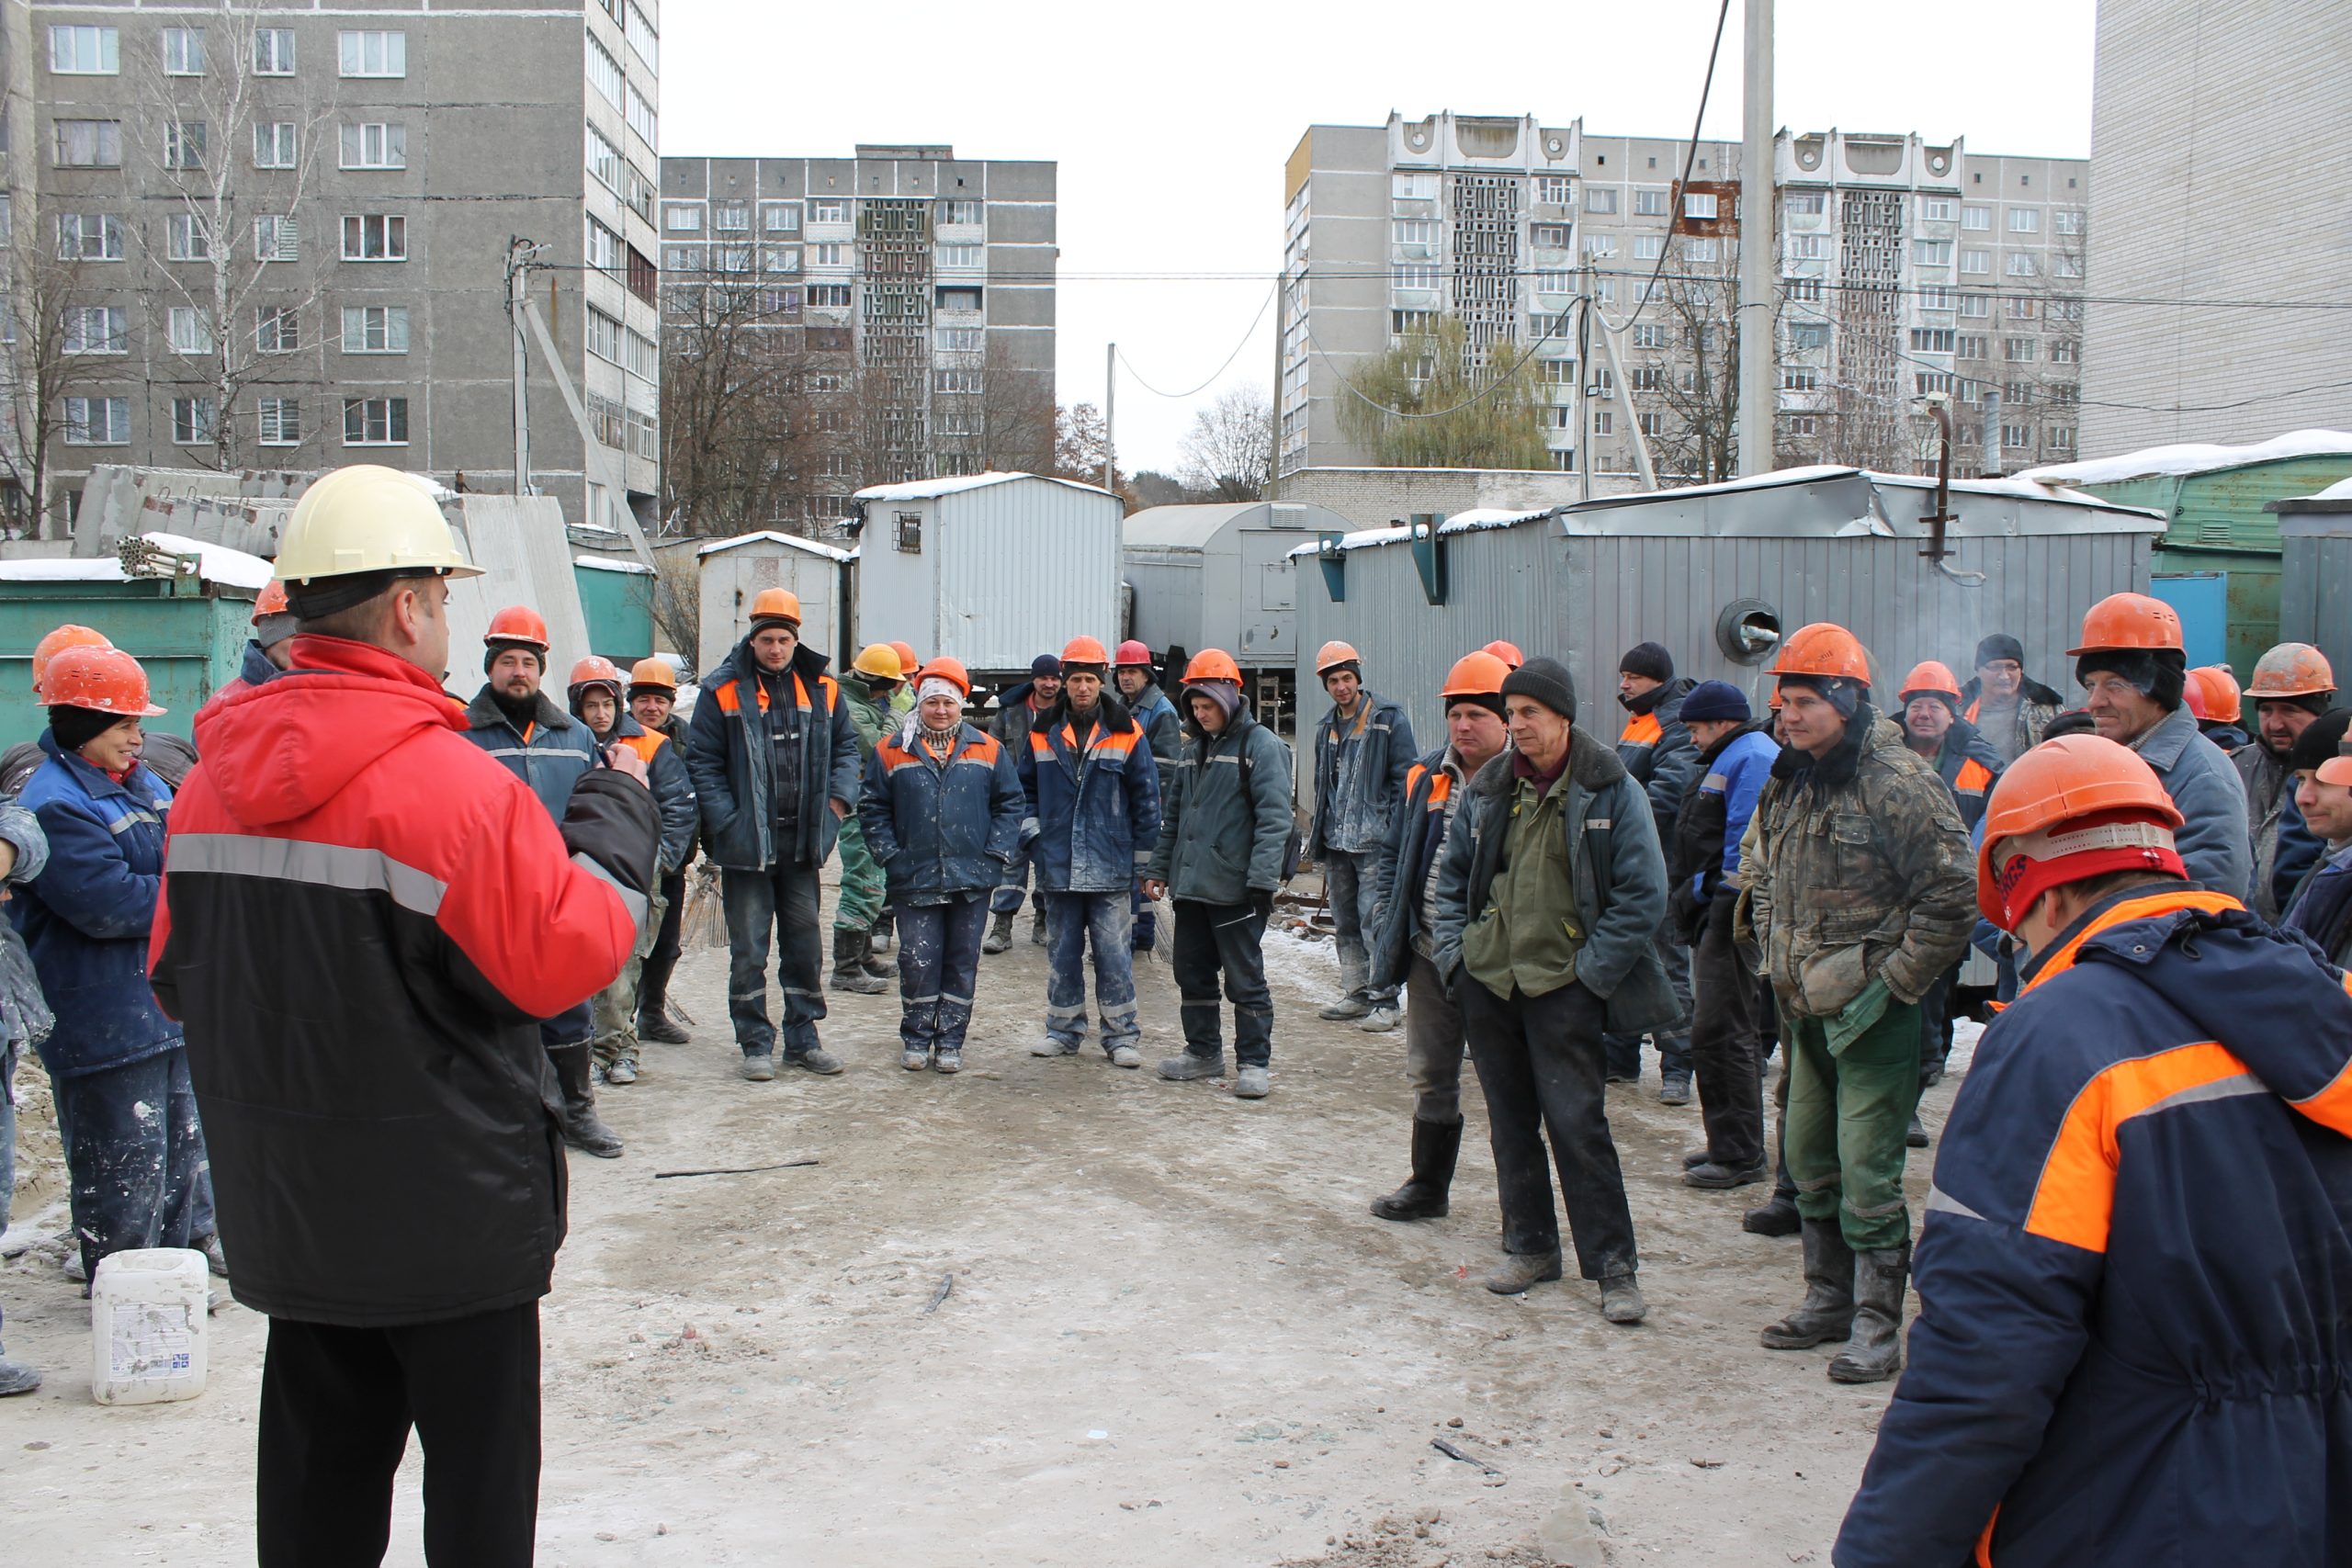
x: 1931, y: 252
x: 375, y: 237
x: 97, y: 421
x: 183, y: 51
x: 1928, y: 381
x: 779, y: 258
x: 641, y: 37
x: 1699, y: 204
x: 2025, y: 221
x: 955, y: 299
x: 1413, y: 188
x: 95, y: 329
x: 956, y: 381
x: 1805, y: 203
x: 2020, y: 436
x: 1601, y: 199
x: 1805, y: 336
x: 1970, y: 345
x: 2066, y: 221
x: 192, y: 422
x: 1800, y: 378
x: 641, y: 117
x: 958, y: 340
x: 1977, y: 264
x: 730, y: 258
x: 375, y: 421
x: 1703, y: 250
x: 273, y: 52
x: 2021, y: 307
x: 2061, y: 438
x: 604, y: 334
x: 730, y: 216
x: 1600, y: 246
x: 1604, y: 421
x: 1976, y: 305
x: 1559, y: 283
x: 1931, y: 340
x: 1604, y: 383
x: 379, y: 54
x: 2066, y: 266
x: 1549, y: 236
x: 184, y: 145
x: 277, y: 329
x: 274, y: 144
x: 1938, y: 297
x: 2065, y: 311
x: 1803, y: 290
x: 1648, y: 379
x: 374, y: 146
x: 2020, y: 265
x: 1652, y: 424
x: 190, y: 334
x: 1417, y: 236
x: 88, y: 143
x: 1801, y: 424
x: 281, y: 421
x: 2065, y: 394
x: 2020, y: 350
x: 680, y: 218
x: 1562, y: 417
x: 1558, y: 190
x: 832, y: 254
x: 1808, y: 247
x: 784, y: 217
x: 1936, y: 208
x: 1604, y: 291
x: 89, y: 236
x: 1649, y: 201
x: 84, y: 51
x: 1415, y: 279
x: 1976, y: 219
x: 1648, y: 247
x: 962, y: 256
x: 2018, y: 394
x: 379, y: 329
x: 1412, y: 323
x: 278, y: 238
x: 832, y: 295
x: 829, y: 209
x: 2067, y: 351
x: 906, y: 532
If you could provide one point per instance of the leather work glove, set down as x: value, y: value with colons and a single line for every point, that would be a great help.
x: 1854, y: 1019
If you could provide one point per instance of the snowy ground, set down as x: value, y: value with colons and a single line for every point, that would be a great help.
x: 1174, y: 1336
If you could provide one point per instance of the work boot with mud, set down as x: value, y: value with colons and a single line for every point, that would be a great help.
x: 914, y: 1060
x: 1876, y: 1351
x: 1347, y: 1007
x: 885, y: 930
x: 1826, y: 1313
x: 878, y: 943
x: 1252, y: 1082
x: 1000, y: 935
x: 655, y: 1024
x: 849, y: 965
x: 1621, y: 1300
x: 1521, y: 1270
x: 1037, y: 929
x: 582, y: 1128
x: 622, y: 1070
x: 1436, y: 1145
x: 1188, y: 1066
x: 947, y: 1061
x: 816, y: 1059
x: 759, y: 1069
x: 15, y: 1377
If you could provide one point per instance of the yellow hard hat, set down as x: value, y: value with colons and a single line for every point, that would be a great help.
x: 367, y: 518
x: 880, y: 661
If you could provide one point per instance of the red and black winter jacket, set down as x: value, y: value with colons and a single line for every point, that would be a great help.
x: 363, y: 917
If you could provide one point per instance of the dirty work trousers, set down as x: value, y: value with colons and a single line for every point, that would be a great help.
x: 133, y: 1153
x: 1104, y: 921
x: 939, y: 965
x: 1006, y: 899
x: 336, y: 1406
x: 1145, y: 932
x: 1227, y: 939
x: 653, y: 984
x: 1351, y: 883
x: 781, y: 902
x: 1672, y: 1040
x: 1726, y: 1052
x: 863, y: 889
x: 1846, y: 1120
x: 614, y: 1009
x: 1433, y: 1045
x: 1538, y: 1062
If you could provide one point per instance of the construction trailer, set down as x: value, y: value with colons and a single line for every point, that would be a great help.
x: 2216, y: 502
x: 2315, y: 577
x: 1719, y: 574
x: 988, y: 568
x: 733, y: 571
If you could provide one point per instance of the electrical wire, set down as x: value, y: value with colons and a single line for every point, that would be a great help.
x: 1689, y: 156
x: 1247, y: 333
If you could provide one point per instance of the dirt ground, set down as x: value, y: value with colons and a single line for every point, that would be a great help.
x: 1174, y: 1333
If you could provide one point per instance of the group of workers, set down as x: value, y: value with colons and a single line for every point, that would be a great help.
x: 364, y: 988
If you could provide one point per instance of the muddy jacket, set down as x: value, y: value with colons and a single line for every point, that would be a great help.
x: 674, y: 792
x: 2199, y: 776
x: 1217, y: 843
x: 1615, y: 872
x: 363, y: 921
x: 1659, y: 752
x: 1353, y: 815
x: 1097, y: 810
x: 86, y: 917
x: 937, y: 830
x: 1163, y: 728
x: 729, y: 757
x: 2132, y: 1346
x: 548, y: 754
x: 2036, y: 706
x: 2284, y: 848
x: 1716, y: 807
x: 1857, y: 868
x: 1969, y: 767
x: 1405, y: 865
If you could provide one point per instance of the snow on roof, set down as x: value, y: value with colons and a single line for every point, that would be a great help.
x: 2193, y: 457
x: 2021, y: 487
x: 215, y: 563
x: 1472, y: 520
x: 813, y: 547
x: 2340, y: 490
x: 606, y: 563
x: 926, y: 489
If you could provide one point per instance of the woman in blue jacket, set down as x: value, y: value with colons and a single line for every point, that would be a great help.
x: 942, y: 812
x: 115, y: 1061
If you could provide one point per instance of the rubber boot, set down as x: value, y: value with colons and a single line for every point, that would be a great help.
x: 1827, y: 1311
x: 1037, y: 927
x: 1876, y: 1351
x: 582, y: 1127
x: 1778, y: 1217
x: 1000, y: 935
x: 885, y: 930
x: 1436, y: 1145
x: 878, y: 943
x: 849, y: 964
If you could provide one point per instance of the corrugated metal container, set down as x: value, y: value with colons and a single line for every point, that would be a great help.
x: 988, y: 568
x: 734, y: 570
x: 1219, y: 576
x: 1585, y: 583
x: 2315, y: 593
x: 616, y: 600
x: 190, y: 633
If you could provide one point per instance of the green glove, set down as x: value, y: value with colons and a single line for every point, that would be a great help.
x: 1854, y: 1019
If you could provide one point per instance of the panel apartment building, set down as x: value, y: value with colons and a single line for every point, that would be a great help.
x: 1905, y: 269
x: 910, y: 291
x: 276, y: 238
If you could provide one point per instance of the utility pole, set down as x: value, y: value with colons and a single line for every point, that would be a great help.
x: 1110, y: 409
x: 1759, y: 224
x: 519, y: 253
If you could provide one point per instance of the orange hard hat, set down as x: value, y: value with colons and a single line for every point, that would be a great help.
x: 1479, y: 674
x: 1823, y: 648
x: 1773, y: 702
x: 2213, y: 694
x: 1508, y: 652
x: 65, y: 636
x: 2121, y: 820
x: 1931, y: 678
x: 103, y: 680
x: 270, y: 601
x: 775, y: 604
x: 1333, y: 654
x: 519, y: 625
x: 1132, y: 655
x: 595, y: 670
x: 1084, y: 651
x: 1214, y: 665
x: 951, y: 671
x: 2129, y: 621
x: 652, y: 673
x: 907, y: 662
x: 2291, y: 669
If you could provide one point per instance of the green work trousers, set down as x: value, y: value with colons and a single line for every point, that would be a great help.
x: 863, y: 888
x: 1845, y: 1124
x: 614, y: 1008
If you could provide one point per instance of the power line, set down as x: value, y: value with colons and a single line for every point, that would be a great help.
x: 1247, y: 333
x: 1691, y: 154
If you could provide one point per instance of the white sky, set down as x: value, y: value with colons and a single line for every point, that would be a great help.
x: 1171, y: 123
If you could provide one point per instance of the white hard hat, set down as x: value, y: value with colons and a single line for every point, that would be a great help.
x: 367, y: 518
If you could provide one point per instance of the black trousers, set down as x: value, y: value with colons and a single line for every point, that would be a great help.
x: 1724, y: 1044
x: 1227, y: 940
x: 653, y: 984
x: 1936, y: 1022
x: 336, y: 1406
x: 1539, y: 1065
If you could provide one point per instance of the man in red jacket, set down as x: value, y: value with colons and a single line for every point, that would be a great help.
x: 363, y: 917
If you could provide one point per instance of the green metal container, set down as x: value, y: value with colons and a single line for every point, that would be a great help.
x: 188, y: 634
x: 617, y: 598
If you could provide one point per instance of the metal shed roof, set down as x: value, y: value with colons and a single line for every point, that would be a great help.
x: 1841, y: 500
x: 1182, y: 527
x: 2193, y: 457
x: 793, y: 540
x: 927, y: 490
x: 1469, y: 522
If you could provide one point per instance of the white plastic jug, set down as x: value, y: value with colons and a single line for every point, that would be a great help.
x: 148, y: 1326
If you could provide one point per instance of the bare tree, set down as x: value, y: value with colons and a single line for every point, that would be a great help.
x: 738, y: 425
x: 1229, y: 453
x: 42, y: 363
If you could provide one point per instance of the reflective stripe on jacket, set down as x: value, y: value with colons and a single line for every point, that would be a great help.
x: 732, y: 764
x: 1097, y: 810
x: 548, y: 754
x: 941, y: 828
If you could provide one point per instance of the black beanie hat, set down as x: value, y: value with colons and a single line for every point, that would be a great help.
x: 1491, y: 701
x: 2322, y: 738
x: 1647, y: 659
x: 491, y: 651
x: 1548, y: 681
x: 2161, y: 673
x: 2000, y: 645
x: 76, y: 727
x: 1839, y: 693
x: 2074, y: 721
